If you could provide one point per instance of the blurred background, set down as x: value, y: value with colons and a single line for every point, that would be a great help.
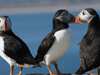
x: 32, y: 21
x: 36, y: 6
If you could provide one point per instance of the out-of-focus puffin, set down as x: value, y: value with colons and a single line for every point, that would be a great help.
x: 90, y: 44
x: 12, y: 48
x: 55, y: 44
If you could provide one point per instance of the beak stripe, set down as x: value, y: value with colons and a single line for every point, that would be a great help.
x: 71, y: 19
x: 4, y: 26
x: 76, y: 20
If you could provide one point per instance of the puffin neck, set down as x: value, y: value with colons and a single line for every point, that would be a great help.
x: 94, y: 25
x: 2, y: 33
x: 94, y: 22
x: 59, y: 24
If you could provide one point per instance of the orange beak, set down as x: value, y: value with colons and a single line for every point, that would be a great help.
x: 73, y: 18
x: 76, y: 20
x: 4, y: 26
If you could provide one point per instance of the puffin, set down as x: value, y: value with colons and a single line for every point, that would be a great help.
x: 90, y: 44
x: 13, y: 49
x: 56, y: 43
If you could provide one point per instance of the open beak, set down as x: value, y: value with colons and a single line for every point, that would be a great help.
x: 71, y: 19
x: 77, y: 19
x: 4, y: 26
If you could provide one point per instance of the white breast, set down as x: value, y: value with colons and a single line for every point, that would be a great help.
x: 3, y: 55
x: 61, y: 44
x: 1, y: 44
x: 8, y: 59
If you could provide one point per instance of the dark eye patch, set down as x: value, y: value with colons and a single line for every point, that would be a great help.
x: 66, y: 13
x: 83, y: 13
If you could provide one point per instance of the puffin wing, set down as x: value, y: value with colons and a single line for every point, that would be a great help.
x: 90, y: 53
x: 16, y: 49
x: 44, y: 47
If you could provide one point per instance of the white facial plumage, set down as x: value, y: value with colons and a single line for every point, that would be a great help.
x: 85, y: 17
x: 64, y: 17
x: 5, y: 23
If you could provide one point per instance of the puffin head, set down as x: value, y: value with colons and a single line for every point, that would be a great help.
x: 64, y: 16
x: 86, y: 16
x: 5, y: 23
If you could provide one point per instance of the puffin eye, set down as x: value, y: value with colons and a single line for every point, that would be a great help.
x: 66, y: 14
x: 83, y: 13
x: 9, y: 20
